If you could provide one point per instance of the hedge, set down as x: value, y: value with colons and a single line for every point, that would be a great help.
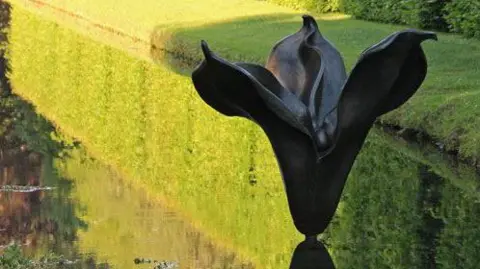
x: 422, y: 14
x: 464, y: 17
x: 390, y: 11
x: 444, y: 15
x: 425, y: 14
x: 320, y: 6
x: 461, y: 16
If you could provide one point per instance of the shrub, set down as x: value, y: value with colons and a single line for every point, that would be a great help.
x: 14, y: 258
x: 464, y: 17
x: 321, y: 6
x: 389, y: 11
x: 422, y: 14
x: 427, y: 14
x: 443, y: 15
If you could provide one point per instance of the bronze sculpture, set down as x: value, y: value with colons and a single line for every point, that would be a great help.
x: 315, y: 117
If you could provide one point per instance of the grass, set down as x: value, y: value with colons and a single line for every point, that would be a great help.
x: 139, y: 20
x: 13, y: 258
x: 445, y: 107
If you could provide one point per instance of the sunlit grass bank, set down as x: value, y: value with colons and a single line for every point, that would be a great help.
x: 445, y: 108
x: 149, y: 123
x: 139, y: 19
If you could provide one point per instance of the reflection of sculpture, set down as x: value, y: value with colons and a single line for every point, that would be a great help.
x: 311, y: 254
x: 315, y: 117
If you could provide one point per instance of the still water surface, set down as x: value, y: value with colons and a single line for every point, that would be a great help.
x: 96, y: 218
x: 404, y: 206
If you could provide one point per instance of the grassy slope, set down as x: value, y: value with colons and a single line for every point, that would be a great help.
x: 116, y: 106
x: 139, y: 19
x: 445, y: 108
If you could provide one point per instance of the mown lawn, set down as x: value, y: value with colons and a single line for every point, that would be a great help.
x: 139, y: 18
x: 446, y: 107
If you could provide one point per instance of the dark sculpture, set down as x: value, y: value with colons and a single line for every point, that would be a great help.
x: 315, y: 117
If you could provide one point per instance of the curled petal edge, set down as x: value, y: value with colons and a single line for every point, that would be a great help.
x: 386, y: 75
x: 221, y: 95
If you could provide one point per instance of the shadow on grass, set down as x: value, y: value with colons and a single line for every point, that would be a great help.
x: 250, y: 39
x: 247, y: 39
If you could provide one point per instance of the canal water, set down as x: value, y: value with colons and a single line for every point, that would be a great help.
x: 404, y: 206
x: 93, y: 218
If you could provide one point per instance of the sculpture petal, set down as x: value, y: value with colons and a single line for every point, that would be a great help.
x: 309, y: 65
x: 287, y: 66
x: 326, y: 89
x: 386, y: 75
x: 412, y: 76
x: 241, y: 90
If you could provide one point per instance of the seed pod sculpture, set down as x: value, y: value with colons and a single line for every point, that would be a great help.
x: 315, y: 116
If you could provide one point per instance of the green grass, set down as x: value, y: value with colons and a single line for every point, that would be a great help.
x: 14, y: 258
x: 139, y: 19
x: 445, y: 107
x: 379, y: 213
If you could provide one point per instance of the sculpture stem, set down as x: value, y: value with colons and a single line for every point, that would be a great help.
x: 311, y: 254
x: 311, y: 238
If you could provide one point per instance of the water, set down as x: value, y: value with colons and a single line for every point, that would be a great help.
x: 407, y: 206
x: 96, y: 219
x: 404, y: 205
